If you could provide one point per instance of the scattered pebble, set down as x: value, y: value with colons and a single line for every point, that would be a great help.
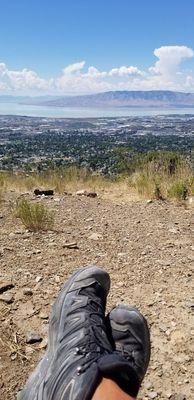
x: 33, y: 337
x: 72, y: 245
x: 95, y: 236
x: 7, y: 298
x: 5, y: 285
x: 27, y: 291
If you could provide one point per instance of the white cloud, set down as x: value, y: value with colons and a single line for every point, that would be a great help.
x: 25, y: 79
x: 166, y: 73
x: 72, y: 68
x: 170, y: 58
x: 123, y: 71
x: 2, y: 69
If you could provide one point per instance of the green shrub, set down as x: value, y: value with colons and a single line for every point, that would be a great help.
x: 179, y: 190
x: 35, y: 217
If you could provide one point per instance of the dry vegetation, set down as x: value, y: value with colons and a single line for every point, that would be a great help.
x: 155, y: 175
x: 35, y: 216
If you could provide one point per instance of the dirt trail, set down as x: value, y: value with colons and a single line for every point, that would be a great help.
x: 148, y: 249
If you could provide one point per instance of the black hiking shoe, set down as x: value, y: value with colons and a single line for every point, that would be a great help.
x: 77, y: 340
x: 130, y: 337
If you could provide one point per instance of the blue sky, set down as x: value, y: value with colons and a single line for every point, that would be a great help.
x: 44, y: 37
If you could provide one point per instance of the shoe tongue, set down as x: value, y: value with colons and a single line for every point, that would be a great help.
x: 115, y: 367
x: 94, y: 291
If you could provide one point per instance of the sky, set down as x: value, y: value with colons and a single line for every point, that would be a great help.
x: 61, y: 47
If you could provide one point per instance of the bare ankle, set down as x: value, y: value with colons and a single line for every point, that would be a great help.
x: 108, y: 389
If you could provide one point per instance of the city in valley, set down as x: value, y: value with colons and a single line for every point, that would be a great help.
x: 31, y: 143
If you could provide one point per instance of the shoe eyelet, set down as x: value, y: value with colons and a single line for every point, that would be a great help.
x: 77, y: 351
x: 79, y: 370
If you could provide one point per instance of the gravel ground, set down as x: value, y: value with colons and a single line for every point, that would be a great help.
x: 148, y: 249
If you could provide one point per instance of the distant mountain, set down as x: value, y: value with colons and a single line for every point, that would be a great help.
x: 13, y: 99
x: 153, y: 98
x: 26, y: 99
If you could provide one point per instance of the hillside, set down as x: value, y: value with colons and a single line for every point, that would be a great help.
x: 154, y: 98
x: 147, y: 247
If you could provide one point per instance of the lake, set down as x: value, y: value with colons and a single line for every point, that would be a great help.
x: 80, y: 112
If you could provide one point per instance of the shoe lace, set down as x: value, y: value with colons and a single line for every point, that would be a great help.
x: 128, y: 354
x: 93, y: 346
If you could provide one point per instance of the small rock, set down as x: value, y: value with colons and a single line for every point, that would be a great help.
x: 152, y: 395
x: 178, y: 397
x: 122, y: 255
x: 7, y: 298
x: 37, y: 251
x: 89, y: 219
x: 190, y: 257
x: 86, y: 193
x: 91, y: 194
x: 43, y: 315
x: 47, y: 192
x: 43, y: 344
x: 173, y: 230
x: 13, y: 356
x: 33, y: 337
x: 95, y: 236
x: 39, y: 279
x: 148, y: 385
x: 27, y: 292
x: 5, y: 285
x: 81, y: 193
x: 72, y: 245
x: 12, y: 235
x: 149, y: 201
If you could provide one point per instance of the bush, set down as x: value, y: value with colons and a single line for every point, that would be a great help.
x: 179, y: 190
x: 35, y: 217
x: 158, y: 192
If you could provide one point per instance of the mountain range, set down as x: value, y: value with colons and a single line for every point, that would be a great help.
x: 152, y: 98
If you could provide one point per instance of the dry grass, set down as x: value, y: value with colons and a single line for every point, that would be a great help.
x: 1, y: 190
x: 60, y: 181
x: 148, y: 181
x: 35, y: 217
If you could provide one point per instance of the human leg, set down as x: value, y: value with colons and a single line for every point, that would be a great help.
x: 108, y: 389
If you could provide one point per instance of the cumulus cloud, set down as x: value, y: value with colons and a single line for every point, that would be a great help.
x: 73, y: 68
x: 170, y: 58
x: 166, y: 73
x: 124, y: 71
x: 22, y: 80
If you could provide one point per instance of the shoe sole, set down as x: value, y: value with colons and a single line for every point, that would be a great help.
x: 73, y: 283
